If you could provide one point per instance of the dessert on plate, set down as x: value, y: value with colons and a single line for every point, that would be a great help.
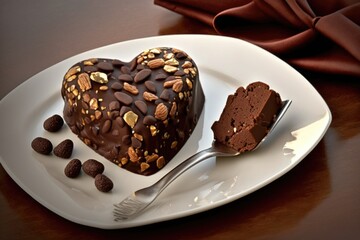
x: 137, y: 114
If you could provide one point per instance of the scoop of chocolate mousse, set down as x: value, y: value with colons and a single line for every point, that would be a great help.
x: 247, y: 116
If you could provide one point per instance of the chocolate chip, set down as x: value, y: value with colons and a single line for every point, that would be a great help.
x: 181, y: 55
x: 116, y: 86
x: 106, y: 66
x: 84, y: 105
x: 149, y: 120
x: 106, y: 126
x: 165, y: 95
x: 103, y: 183
x: 179, y: 73
x: 120, y: 121
x: 124, y: 109
x: 142, y: 106
x: 115, y: 151
x: 136, y: 143
x: 125, y: 70
x: 117, y: 63
x: 53, y: 123
x: 160, y: 77
x: 114, y: 105
x: 123, y: 98
x: 126, y: 140
x: 142, y: 75
x: 139, y: 67
x: 93, y: 167
x: 73, y: 168
x: 114, y: 114
x: 90, y: 69
x: 125, y: 78
x: 133, y: 64
x: 150, y: 86
x: 64, y: 149
x: 95, y: 130
x: 42, y: 145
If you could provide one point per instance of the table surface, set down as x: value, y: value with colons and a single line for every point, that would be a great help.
x: 318, y: 199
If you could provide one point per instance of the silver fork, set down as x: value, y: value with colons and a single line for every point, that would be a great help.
x: 139, y: 200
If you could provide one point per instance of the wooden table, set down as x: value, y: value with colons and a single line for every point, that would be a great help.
x: 318, y: 199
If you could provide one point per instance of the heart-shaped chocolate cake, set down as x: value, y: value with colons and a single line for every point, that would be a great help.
x: 137, y: 114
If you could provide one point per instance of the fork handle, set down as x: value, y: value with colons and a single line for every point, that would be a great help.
x: 160, y: 185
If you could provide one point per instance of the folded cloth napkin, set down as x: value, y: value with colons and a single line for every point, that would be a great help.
x: 316, y: 35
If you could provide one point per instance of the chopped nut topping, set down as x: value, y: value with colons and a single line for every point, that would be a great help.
x: 173, y: 109
x: 166, y: 135
x: 187, y: 64
x: 72, y: 71
x: 98, y: 114
x: 133, y: 155
x: 168, y: 55
x: 151, y: 55
x: 138, y: 136
x: 170, y: 83
x: 144, y: 166
x: 71, y: 78
x: 90, y: 62
x: 75, y: 92
x: 189, y: 83
x: 178, y: 85
x: 155, y: 50
x: 173, y: 144
x: 124, y: 160
x: 131, y: 88
x: 99, y: 77
x: 140, y: 59
x: 153, y: 130
x: 84, y: 82
x: 161, y: 111
x: 170, y: 69
x: 103, y: 88
x: 130, y: 118
x: 93, y: 103
x: 86, y: 97
x: 172, y: 62
x: 148, y: 96
x: 151, y: 158
x: 160, y: 162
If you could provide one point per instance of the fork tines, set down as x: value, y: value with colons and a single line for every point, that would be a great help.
x: 127, y: 208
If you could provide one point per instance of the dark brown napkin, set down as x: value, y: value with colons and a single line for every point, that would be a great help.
x: 316, y: 35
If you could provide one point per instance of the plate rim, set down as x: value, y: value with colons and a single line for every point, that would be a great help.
x: 8, y: 97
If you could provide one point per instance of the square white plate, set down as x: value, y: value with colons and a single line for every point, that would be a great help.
x: 224, y: 64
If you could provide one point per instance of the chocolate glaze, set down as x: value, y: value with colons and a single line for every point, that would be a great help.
x: 113, y: 106
x: 247, y: 116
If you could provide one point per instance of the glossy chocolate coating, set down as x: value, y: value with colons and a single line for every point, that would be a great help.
x: 136, y: 114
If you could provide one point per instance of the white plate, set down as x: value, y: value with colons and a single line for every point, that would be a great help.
x: 224, y: 64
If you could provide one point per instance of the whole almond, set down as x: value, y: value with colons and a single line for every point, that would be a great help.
x: 156, y: 63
